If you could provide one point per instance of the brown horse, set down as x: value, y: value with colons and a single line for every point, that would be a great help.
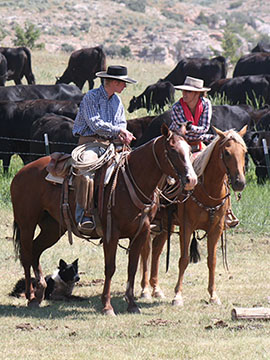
x: 204, y: 209
x: 37, y: 202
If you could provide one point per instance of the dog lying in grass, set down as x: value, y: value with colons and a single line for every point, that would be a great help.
x: 59, y: 285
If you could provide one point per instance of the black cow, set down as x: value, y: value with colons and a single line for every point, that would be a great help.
x: 19, y: 64
x: 16, y: 119
x: 3, y: 70
x: 207, y: 69
x: 254, y: 141
x: 253, y: 64
x: 261, y: 47
x: 155, y: 97
x: 59, y: 131
x: 82, y: 66
x: 51, y: 92
x: 253, y: 89
x: 138, y: 126
x: 153, y: 129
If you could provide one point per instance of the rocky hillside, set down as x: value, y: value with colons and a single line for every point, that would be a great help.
x: 153, y: 30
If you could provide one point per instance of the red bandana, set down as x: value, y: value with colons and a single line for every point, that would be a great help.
x: 188, y: 113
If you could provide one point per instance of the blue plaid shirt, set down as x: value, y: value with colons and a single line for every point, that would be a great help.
x: 196, y: 132
x: 99, y: 115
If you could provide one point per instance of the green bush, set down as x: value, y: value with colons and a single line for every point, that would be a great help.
x: 136, y: 5
x: 125, y: 51
x: 172, y: 15
x: 230, y: 44
x: 67, y: 48
x: 27, y: 36
x: 235, y: 4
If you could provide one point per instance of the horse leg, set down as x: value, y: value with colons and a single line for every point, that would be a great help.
x: 48, y: 236
x: 185, y: 234
x: 133, y: 259
x: 145, y: 257
x: 212, y: 241
x: 26, y: 246
x: 157, y: 247
x: 109, y: 248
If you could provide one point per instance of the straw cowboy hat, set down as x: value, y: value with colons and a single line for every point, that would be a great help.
x: 192, y: 84
x: 116, y: 72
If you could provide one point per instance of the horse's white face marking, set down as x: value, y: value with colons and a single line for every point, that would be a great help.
x: 190, y: 171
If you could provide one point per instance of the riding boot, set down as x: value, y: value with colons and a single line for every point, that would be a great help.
x: 84, y: 194
x: 231, y: 220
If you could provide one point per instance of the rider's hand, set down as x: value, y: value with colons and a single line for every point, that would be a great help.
x: 126, y: 136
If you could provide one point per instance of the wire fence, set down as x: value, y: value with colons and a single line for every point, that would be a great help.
x: 265, y: 148
x: 260, y: 221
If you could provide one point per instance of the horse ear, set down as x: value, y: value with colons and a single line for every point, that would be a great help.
x: 243, y: 131
x: 219, y: 132
x: 165, y: 130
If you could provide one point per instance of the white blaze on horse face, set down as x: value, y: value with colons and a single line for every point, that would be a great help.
x: 191, y: 175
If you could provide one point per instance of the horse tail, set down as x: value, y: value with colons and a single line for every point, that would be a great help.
x: 194, y: 252
x: 16, y: 240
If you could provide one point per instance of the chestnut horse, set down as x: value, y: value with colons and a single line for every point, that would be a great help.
x: 37, y: 202
x: 203, y: 209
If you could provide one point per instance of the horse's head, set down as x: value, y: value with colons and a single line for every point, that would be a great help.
x: 232, y: 153
x: 177, y: 152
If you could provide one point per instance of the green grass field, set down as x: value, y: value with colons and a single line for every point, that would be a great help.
x: 198, y: 331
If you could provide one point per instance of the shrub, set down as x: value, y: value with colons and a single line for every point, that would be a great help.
x: 3, y: 34
x: 125, y: 51
x: 136, y: 5
x: 27, y: 36
x: 67, y: 48
x: 230, y: 44
x: 172, y: 15
x: 113, y: 50
x: 235, y: 4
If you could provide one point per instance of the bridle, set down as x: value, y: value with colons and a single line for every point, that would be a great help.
x: 167, y: 155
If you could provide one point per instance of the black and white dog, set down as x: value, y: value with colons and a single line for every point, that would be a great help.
x: 59, y: 285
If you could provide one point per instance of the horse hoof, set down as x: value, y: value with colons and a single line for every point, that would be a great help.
x: 134, y: 310
x: 215, y: 301
x: 159, y: 294
x: 108, y: 312
x: 178, y: 302
x: 34, y: 303
x: 145, y: 294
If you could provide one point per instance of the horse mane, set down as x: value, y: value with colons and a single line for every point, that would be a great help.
x: 201, y: 161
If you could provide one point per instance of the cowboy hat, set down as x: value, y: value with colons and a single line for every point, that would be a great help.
x: 192, y: 84
x: 116, y: 72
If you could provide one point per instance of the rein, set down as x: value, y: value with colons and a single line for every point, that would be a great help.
x: 131, y: 184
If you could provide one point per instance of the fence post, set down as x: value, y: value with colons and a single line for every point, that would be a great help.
x: 47, y: 147
x: 266, y: 154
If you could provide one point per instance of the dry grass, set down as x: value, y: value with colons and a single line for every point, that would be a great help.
x: 77, y: 330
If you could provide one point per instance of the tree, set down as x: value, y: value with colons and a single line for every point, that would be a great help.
x: 27, y: 36
x: 230, y: 44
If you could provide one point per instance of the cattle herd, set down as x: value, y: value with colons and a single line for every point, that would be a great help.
x: 29, y: 111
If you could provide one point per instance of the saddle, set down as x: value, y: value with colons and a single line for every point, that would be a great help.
x: 60, y: 172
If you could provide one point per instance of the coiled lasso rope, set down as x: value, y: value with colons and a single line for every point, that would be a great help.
x: 83, y: 167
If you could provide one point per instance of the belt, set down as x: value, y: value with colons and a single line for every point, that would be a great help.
x: 93, y: 138
x: 99, y: 139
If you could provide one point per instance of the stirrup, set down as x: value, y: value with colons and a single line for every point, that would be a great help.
x: 86, y: 225
x: 231, y: 220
